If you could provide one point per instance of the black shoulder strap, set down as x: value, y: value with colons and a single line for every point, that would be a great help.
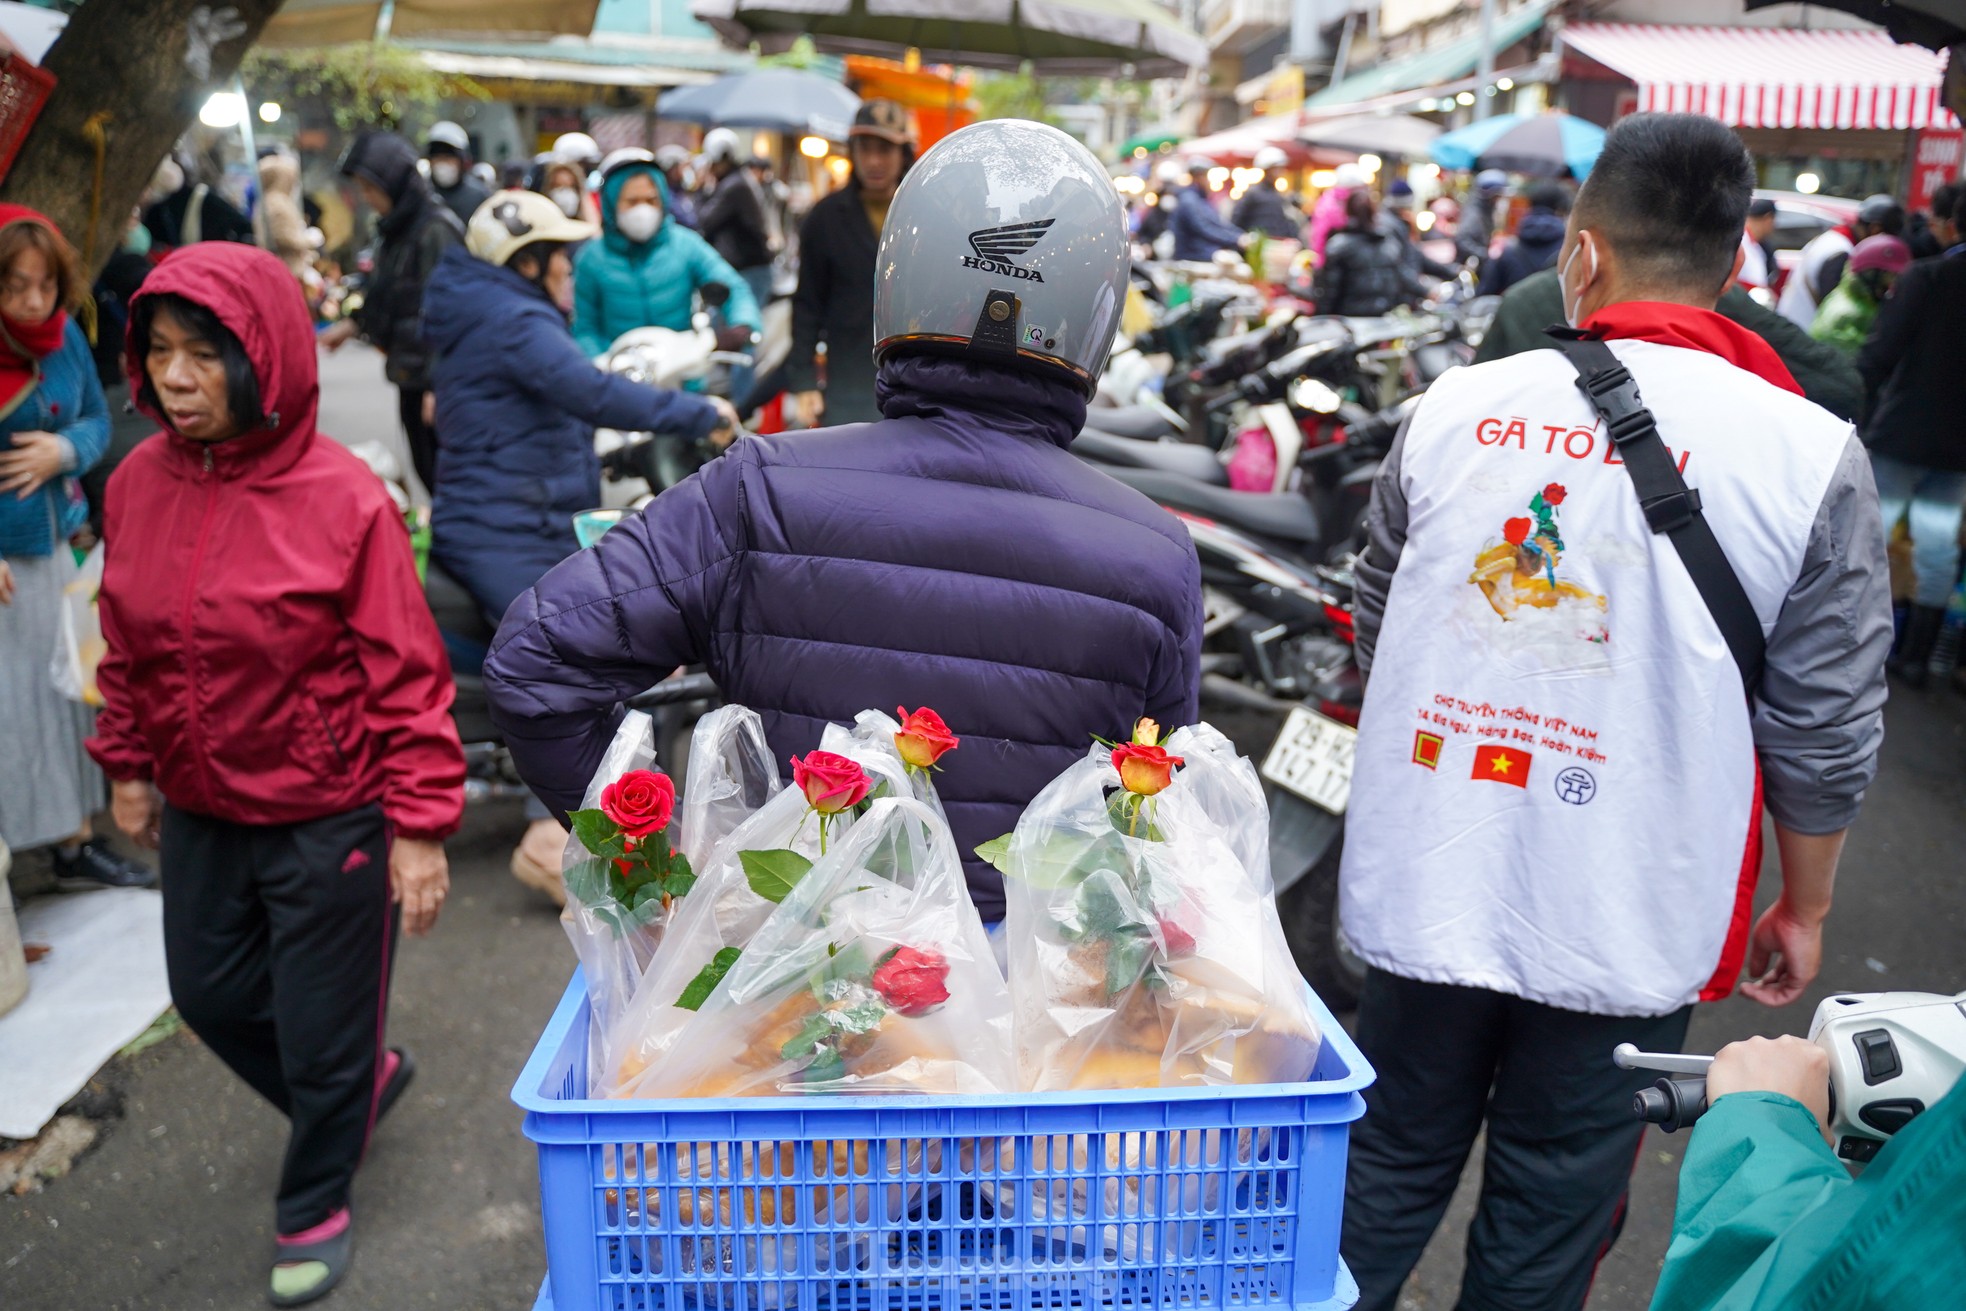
x: 1671, y: 507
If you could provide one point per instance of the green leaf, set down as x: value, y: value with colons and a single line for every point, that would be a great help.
x: 806, y: 1041
x: 707, y: 979
x: 1101, y: 913
x: 588, y: 882
x: 1127, y: 956
x: 849, y: 963
x: 997, y: 852
x: 597, y: 832
x: 678, y: 885
x: 773, y: 874
x: 827, y: 1065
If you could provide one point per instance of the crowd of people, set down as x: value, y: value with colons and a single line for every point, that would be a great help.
x: 299, y: 790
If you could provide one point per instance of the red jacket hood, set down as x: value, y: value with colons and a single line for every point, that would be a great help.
x: 252, y: 293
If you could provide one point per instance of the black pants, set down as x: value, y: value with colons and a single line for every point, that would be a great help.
x: 278, y: 940
x: 1561, y: 1139
x: 421, y: 437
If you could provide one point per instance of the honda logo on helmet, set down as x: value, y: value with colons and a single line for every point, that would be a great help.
x: 996, y: 247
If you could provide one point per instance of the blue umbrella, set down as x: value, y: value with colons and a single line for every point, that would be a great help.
x: 776, y: 99
x: 1540, y: 145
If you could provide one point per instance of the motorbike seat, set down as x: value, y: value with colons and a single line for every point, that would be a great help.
x: 1180, y: 458
x: 1279, y: 516
x: 1141, y: 422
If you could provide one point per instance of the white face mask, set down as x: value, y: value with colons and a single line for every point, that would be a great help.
x: 638, y: 222
x: 445, y: 173
x: 567, y: 199
x: 1572, y: 305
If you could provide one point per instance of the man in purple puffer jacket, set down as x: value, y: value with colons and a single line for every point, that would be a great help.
x: 953, y: 555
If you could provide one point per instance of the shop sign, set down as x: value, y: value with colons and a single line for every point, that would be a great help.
x: 1934, y: 162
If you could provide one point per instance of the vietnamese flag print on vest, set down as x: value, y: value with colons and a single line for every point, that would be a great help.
x: 1502, y: 765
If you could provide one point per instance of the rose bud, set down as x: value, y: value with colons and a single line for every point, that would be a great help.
x: 640, y: 802
x: 1147, y: 733
x: 1144, y: 771
x: 1175, y: 940
x: 1554, y: 494
x: 831, y: 783
x: 924, y: 738
x: 913, y: 982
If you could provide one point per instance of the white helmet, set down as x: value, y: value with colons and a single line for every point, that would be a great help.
x: 670, y: 156
x: 512, y: 220
x: 1271, y: 157
x: 576, y: 148
x: 447, y: 134
x: 722, y: 144
x: 1007, y: 244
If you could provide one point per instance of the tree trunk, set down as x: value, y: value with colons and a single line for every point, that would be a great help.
x: 148, y: 65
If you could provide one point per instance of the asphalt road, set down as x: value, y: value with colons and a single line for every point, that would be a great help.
x: 173, y: 1209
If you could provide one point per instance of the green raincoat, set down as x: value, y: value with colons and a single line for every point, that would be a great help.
x: 1770, y: 1220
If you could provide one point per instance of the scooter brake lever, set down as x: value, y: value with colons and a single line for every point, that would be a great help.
x: 1627, y: 1056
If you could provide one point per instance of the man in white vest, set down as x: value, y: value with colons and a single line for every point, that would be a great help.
x: 1556, y: 812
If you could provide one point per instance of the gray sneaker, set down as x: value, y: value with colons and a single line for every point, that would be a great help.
x: 95, y: 865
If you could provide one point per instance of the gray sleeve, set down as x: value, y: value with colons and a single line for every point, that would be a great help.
x: 1820, y: 717
x: 1385, y: 538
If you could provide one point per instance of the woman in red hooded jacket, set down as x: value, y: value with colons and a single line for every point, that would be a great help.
x: 275, y: 718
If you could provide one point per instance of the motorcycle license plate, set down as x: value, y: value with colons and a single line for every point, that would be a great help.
x: 1312, y: 757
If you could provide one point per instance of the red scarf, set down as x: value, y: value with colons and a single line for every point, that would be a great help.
x: 1694, y: 329
x: 26, y: 344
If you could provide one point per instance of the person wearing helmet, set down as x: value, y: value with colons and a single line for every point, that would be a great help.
x: 1476, y: 232
x: 519, y: 403
x: 1329, y: 214
x: 674, y: 162
x: 835, y: 300
x: 452, y: 175
x: 734, y: 218
x: 413, y: 230
x: 1845, y: 316
x: 646, y: 269
x: 1263, y: 207
x: 571, y: 162
x: 1820, y: 267
x: 954, y: 554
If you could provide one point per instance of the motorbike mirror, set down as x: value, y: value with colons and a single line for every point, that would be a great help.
x: 714, y: 294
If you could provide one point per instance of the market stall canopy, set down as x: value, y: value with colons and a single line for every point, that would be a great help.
x: 1773, y: 77
x: 303, y: 23
x: 1089, y: 37
x: 1386, y: 135
x: 1541, y: 145
x: 1442, y: 63
x: 937, y: 95
x: 1934, y: 24
x: 1153, y: 139
x: 774, y: 99
x: 578, y: 61
x: 1239, y: 144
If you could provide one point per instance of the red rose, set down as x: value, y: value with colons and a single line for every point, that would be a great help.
x: 1554, y: 494
x: 1176, y: 940
x: 923, y: 738
x: 912, y: 982
x: 640, y: 801
x: 1517, y: 531
x: 1144, y: 770
x: 832, y: 783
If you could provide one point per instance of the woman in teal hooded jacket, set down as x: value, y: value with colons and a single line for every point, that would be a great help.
x: 648, y: 279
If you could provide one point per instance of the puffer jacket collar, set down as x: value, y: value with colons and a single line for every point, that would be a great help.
x: 254, y: 295
x: 1012, y: 402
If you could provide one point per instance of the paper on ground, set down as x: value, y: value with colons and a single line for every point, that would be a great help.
x: 100, y: 986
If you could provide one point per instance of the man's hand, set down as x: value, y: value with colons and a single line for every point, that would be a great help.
x: 430, y: 409
x: 1785, y: 953
x: 338, y: 336
x: 1791, y: 1066
x: 136, y: 807
x: 6, y: 583
x: 420, y: 878
x: 728, y: 423
x: 810, y: 406
x: 34, y: 459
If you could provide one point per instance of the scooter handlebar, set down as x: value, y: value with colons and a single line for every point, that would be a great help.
x: 1672, y: 1104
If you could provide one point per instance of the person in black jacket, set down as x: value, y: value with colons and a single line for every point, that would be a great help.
x: 413, y: 230
x: 1262, y: 207
x: 837, y: 248
x: 173, y: 221
x: 733, y: 218
x: 1914, y: 368
x: 1364, y: 269
x: 1536, y: 241
x: 448, y: 148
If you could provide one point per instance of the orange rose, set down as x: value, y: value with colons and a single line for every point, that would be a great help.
x: 924, y: 738
x: 1144, y: 770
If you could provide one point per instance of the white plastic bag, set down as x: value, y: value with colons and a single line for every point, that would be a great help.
x: 873, y: 975
x: 722, y: 912
x: 82, y: 647
x: 1144, y: 943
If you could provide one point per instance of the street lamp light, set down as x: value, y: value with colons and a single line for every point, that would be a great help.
x: 223, y: 109
x: 1807, y: 183
x: 1505, y: 84
x: 814, y: 147
x: 1465, y: 98
x: 270, y: 112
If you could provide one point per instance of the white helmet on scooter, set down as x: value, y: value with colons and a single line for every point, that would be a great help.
x: 512, y: 220
x: 1006, y: 243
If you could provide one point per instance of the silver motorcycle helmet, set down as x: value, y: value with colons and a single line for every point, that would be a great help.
x: 1006, y: 243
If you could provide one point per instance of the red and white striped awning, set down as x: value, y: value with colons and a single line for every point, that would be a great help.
x: 1772, y: 77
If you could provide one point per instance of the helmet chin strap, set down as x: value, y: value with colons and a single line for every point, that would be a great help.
x: 995, y: 335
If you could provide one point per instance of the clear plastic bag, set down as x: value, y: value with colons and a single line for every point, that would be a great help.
x: 1144, y: 944
x: 722, y: 912
x: 873, y: 975
x: 730, y: 776
x: 82, y: 647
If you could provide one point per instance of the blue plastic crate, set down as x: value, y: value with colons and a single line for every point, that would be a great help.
x: 1154, y: 1199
